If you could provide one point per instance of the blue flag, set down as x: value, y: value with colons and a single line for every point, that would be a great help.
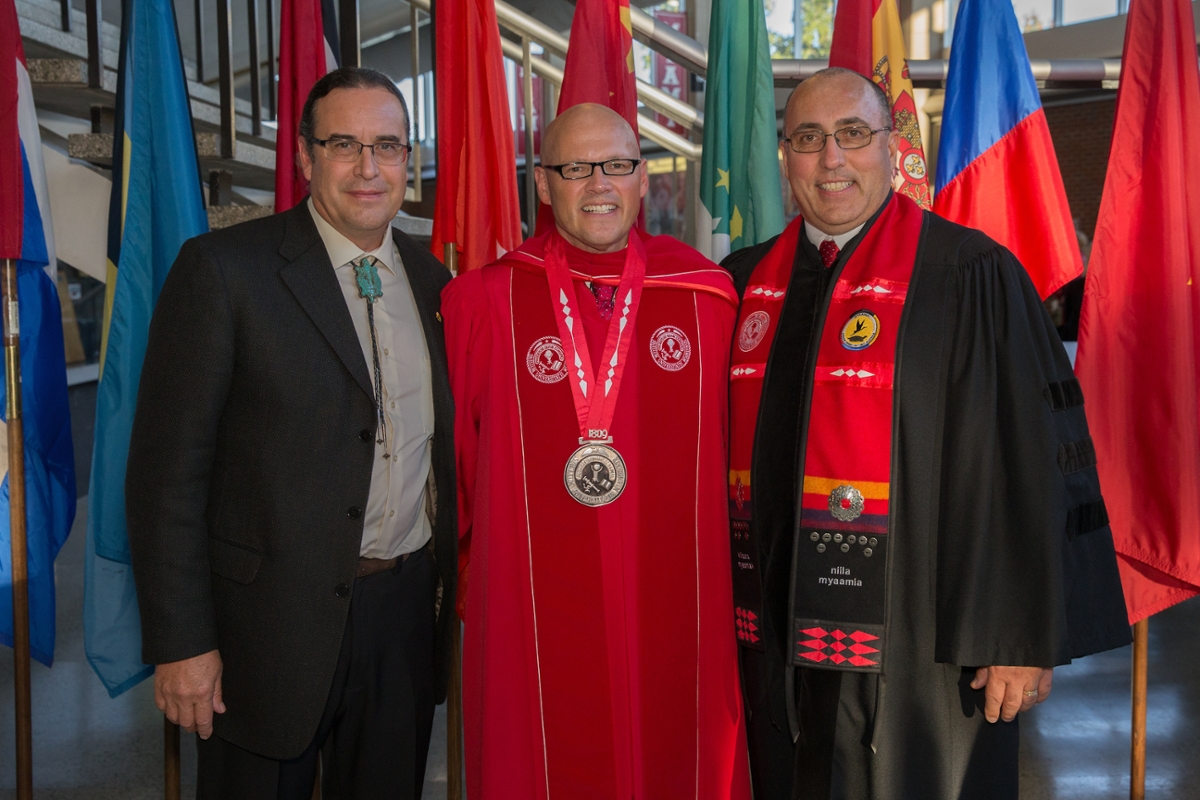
x: 26, y: 237
x: 156, y: 206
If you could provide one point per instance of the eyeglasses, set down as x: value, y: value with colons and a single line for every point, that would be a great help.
x: 577, y: 170
x: 852, y: 138
x: 387, y: 153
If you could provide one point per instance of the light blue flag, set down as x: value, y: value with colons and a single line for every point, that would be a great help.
x: 156, y: 206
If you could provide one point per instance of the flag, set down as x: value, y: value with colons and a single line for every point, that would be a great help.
x: 997, y: 171
x: 867, y: 38
x: 308, y: 48
x: 156, y: 206
x: 739, y: 171
x: 1139, y: 333
x: 599, y: 69
x: 26, y: 237
x: 477, y: 205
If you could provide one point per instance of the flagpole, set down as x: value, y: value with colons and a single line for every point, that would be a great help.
x: 531, y: 196
x: 171, y: 781
x: 454, y: 723
x: 1137, y: 766
x: 16, y: 497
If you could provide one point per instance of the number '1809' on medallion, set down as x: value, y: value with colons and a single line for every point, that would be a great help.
x: 595, y: 474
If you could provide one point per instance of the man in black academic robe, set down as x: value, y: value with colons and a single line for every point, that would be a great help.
x: 1002, y: 563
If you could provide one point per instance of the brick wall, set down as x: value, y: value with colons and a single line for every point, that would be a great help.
x: 1082, y: 134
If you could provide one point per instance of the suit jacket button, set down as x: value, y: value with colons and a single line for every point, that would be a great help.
x: 354, y: 512
x: 341, y: 590
x: 365, y: 435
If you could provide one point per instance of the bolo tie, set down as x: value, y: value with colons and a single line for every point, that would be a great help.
x: 370, y: 288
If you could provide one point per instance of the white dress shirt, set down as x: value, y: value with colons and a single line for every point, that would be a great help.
x: 395, y: 522
x: 816, y: 236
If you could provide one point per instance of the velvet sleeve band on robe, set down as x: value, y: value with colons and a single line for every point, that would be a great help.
x: 1025, y: 567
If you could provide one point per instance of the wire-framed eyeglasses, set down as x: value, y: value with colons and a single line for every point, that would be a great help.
x: 811, y: 140
x: 577, y: 170
x: 385, y: 152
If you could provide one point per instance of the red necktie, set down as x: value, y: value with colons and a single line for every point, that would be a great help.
x: 605, y: 296
x: 829, y: 252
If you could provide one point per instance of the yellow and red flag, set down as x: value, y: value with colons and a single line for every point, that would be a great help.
x: 868, y: 39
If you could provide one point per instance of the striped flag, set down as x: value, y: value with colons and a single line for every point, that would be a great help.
x: 308, y: 48
x: 27, y: 238
x: 739, y: 171
x: 156, y: 206
x: 997, y: 170
x: 868, y: 39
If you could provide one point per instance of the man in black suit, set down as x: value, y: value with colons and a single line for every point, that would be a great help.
x: 290, y: 488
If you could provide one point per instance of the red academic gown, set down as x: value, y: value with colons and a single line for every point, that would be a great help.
x: 599, y: 658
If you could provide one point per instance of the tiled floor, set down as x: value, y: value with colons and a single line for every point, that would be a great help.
x: 1076, y: 745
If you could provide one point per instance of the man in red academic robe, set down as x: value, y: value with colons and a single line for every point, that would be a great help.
x: 588, y: 369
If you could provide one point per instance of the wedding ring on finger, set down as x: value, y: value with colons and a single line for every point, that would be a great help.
x: 1031, y: 693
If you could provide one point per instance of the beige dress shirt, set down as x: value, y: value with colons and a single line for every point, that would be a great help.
x: 396, y: 522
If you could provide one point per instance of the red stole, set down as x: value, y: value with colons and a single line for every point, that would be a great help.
x: 841, y: 552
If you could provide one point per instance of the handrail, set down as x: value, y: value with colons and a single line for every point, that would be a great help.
x: 931, y: 73
x: 656, y: 133
x: 665, y: 40
x: 523, y: 25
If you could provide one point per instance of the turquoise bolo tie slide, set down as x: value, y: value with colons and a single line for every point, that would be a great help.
x: 367, y: 277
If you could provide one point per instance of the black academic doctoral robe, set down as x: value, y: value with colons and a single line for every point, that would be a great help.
x: 1002, y: 554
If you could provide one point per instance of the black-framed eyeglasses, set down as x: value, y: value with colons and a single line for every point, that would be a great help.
x: 388, y: 153
x: 854, y: 137
x: 577, y: 170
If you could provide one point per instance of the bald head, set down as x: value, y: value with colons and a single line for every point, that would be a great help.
x: 848, y: 80
x: 593, y: 213
x: 582, y: 124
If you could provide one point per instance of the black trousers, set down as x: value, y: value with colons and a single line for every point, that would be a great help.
x: 770, y: 742
x: 373, y: 737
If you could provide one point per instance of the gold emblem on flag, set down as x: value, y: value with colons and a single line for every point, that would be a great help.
x: 846, y: 503
x: 595, y: 474
x: 860, y: 331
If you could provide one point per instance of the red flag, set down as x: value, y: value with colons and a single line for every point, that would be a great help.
x: 12, y: 175
x: 599, y: 66
x: 476, y: 206
x: 868, y: 39
x: 307, y: 50
x: 1139, y: 334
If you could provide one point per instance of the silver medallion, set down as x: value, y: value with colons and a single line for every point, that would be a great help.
x: 845, y: 503
x: 595, y: 474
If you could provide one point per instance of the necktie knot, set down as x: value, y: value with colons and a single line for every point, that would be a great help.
x: 829, y: 252
x: 366, y: 276
x: 604, y: 299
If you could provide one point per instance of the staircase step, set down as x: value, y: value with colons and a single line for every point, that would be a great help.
x: 252, y: 166
x: 225, y: 216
